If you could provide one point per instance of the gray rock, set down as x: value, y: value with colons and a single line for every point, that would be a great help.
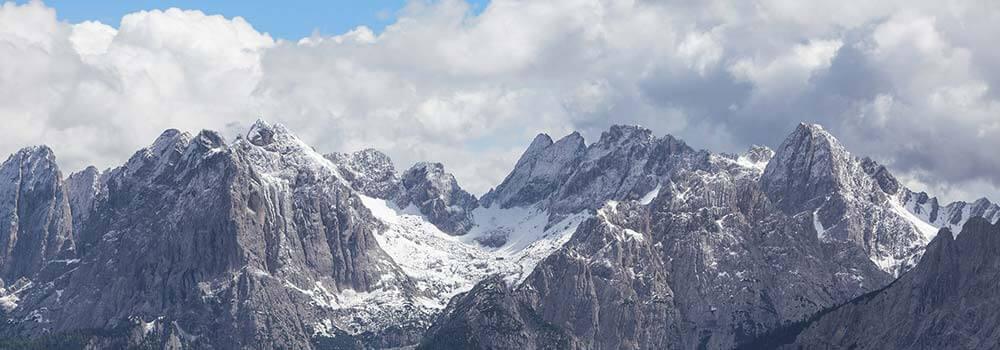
x: 952, y: 215
x: 369, y: 171
x: 199, y: 244
x: 850, y: 200
x: 437, y: 194
x: 539, y: 172
x: 709, y: 262
x: 948, y: 301
x: 35, y: 218
x: 83, y: 189
x: 492, y: 316
x: 264, y: 243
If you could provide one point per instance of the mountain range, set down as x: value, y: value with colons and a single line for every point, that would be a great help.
x: 634, y: 241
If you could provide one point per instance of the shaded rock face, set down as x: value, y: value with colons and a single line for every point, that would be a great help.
x: 239, y: 246
x: 740, y: 266
x: 948, y: 301
x: 709, y: 261
x: 82, y: 188
x: 606, y: 289
x: 626, y: 163
x: 952, y: 215
x: 491, y: 316
x: 35, y: 218
x: 850, y: 200
x: 438, y: 196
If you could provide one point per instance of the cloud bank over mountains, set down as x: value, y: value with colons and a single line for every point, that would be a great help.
x: 912, y: 83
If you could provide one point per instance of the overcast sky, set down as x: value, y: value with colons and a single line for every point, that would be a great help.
x: 911, y: 83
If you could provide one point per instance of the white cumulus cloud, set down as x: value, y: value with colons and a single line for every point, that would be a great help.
x: 912, y: 83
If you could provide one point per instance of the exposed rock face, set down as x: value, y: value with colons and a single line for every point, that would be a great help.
x: 952, y: 215
x: 849, y: 199
x: 434, y: 192
x: 248, y: 245
x: 606, y: 289
x: 539, y: 172
x: 948, y: 301
x: 83, y: 188
x: 694, y: 255
x: 626, y: 163
x: 368, y: 171
x: 633, y: 242
x: 491, y: 316
x: 759, y: 154
x: 35, y: 221
x: 567, y: 177
x: 438, y: 196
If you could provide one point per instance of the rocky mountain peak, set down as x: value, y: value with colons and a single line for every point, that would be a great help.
x: 539, y: 143
x: 848, y: 199
x: 369, y: 171
x: 623, y: 133
x: 35, y: 223
x: 170, y: 139
x: 439, y: 197
x: 261, y: 133
x: 759, y: 154
x: 808, y: 166
x: 539, y: 172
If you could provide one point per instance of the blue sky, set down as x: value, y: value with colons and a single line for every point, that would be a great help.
x: 284, y: 19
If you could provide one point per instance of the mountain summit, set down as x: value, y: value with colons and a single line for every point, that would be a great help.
x: 633, y: 241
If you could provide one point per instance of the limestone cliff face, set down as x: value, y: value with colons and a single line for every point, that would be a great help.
x: 35, y: 218
x: 686, y: 250
x: 850, y: 200
x: 203, y: 244
x: 947, y: 301
x: 438, y: 197
x: 632, y: 242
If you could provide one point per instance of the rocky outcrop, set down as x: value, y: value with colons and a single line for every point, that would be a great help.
x: 540, y: 171
x: 492, y: 316
x: 427, y: 186
x: 849, y: 200
x: 626, y: 163
x: 758, y: 154
x: 35, y: 218
x: 369, y: 171
x: 605, y: 289
x: 947, y: 301
x: 83, y: 188
x: 952, y: 215
x: 698, y: 257
x: 567, y: 177
x: 250, y: 245
x: 439, y: 198
x: 633, y: 242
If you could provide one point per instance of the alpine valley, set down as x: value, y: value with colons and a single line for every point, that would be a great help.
x: 631, y: 242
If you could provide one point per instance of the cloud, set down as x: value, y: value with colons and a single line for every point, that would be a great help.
x: 912, y: 83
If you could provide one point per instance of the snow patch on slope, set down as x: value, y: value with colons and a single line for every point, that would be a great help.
x: 820, y: 230
x: 927, y: 231
x: 649, y: 197
x: 443, y: 265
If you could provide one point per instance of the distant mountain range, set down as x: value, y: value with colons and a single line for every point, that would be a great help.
x: 630, y: 242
